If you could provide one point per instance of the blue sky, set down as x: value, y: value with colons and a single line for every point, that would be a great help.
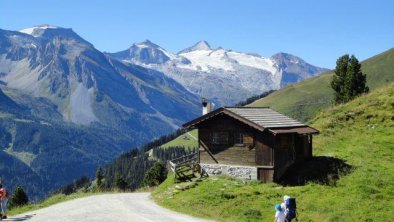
x: 317, y: 31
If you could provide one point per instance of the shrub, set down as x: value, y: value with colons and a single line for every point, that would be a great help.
x: 155, y: 175
x: 19, y: 198
x: 120, y: 183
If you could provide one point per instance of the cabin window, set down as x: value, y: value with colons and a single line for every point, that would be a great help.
x: 219, y: 138
x: 238, y: 139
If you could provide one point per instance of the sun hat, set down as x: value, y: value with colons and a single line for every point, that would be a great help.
x: 286, y: 197
x: 278, y: 207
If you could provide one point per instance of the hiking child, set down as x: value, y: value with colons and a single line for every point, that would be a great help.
x: 3, y: 201
x: 289, y: 207
x: 283, y: 204
x: 279, y: 214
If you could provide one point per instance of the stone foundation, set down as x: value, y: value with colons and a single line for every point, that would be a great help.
x: 243, y: 172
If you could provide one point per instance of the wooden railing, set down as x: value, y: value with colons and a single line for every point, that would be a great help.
x: 187, y: 160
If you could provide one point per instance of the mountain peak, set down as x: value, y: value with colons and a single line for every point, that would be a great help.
x: 282, y: 56
x: 37, y: 30
x: 147, y: 44
x: 201, y: 45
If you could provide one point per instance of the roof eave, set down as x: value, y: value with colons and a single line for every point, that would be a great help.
x: 193, y: 123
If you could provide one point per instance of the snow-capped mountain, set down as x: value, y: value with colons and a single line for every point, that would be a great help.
x: 56, y: 63
x: 66, y: 101
x: 146, y: 53
x: 37, y: 31
x: 223, y: 76
x: 201, y: 45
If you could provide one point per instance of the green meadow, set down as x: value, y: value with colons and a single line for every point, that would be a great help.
x: 361, y: 133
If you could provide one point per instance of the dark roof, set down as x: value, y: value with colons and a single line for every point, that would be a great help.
x: 258, y: 118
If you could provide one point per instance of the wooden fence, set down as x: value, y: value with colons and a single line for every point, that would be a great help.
x: 188, y: 160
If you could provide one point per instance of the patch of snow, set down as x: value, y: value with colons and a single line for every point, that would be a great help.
x: 206, y: 60
x: 31, y: 30
x: 253, y: 61
x: 168, y: 54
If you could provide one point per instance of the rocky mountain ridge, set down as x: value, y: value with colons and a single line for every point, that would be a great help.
x: 223, y: 76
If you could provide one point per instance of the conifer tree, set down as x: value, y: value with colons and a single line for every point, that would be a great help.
x: 99, y: 177
x: 19, y: 198
x: 348, y: 81
x: 120, y: 183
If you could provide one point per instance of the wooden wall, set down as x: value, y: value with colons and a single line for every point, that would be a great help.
x: 257, y: 149
x: 264, y: 149
x: 265, y: 174
x: 303, y: 147
x: 229, y: 153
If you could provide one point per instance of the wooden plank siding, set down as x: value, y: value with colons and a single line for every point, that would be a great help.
x: 264, y: 149
x: 229, y: 152
x: 230, y: 155
x: 284, y: 153
x: 266, y: 175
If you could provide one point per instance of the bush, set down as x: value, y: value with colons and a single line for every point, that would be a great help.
x: 75, y: 185
x: 19, y: 198
x: 120, y: 183
x: 155, y: 175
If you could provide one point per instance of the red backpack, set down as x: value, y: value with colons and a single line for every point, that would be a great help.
x: 4, y: 193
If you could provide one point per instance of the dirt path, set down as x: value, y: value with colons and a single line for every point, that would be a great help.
x: 107, y: 207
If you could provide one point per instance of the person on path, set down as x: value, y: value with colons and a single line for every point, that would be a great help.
x: 3, y: 201
x: 279, y: 214
x: 283, y: 204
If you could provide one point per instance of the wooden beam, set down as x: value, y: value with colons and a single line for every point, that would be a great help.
x: 208, y: 151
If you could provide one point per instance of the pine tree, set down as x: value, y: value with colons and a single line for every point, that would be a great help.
x: 99, y: 178
x: 348, y: 81
x: 120, y: 183
x: 356, y: 79
x: 19, y: 198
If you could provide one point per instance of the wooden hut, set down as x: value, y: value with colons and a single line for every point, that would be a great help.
x: 255, y: 143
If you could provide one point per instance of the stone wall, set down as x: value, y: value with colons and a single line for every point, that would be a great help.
x: 243, y: 172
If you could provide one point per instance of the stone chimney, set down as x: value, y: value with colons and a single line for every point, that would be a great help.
x: 206, y: 106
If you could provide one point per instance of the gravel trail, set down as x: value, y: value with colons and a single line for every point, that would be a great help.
x: 125, y: 207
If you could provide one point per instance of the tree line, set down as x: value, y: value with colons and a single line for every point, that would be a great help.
x: 142, y: 166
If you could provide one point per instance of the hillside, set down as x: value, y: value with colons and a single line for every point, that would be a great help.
x: 302, y: 100
x: 359, y: 133
x: 66, y: 108
x: 188, y: 139
x: 41, y: 152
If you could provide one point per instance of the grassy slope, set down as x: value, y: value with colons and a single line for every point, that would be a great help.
x: 186, y: 140
x: 303, y: 100
x: 360, y: 132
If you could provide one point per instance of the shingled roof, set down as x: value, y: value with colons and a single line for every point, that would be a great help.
x: 259, y: 118
x: 265, y: 117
